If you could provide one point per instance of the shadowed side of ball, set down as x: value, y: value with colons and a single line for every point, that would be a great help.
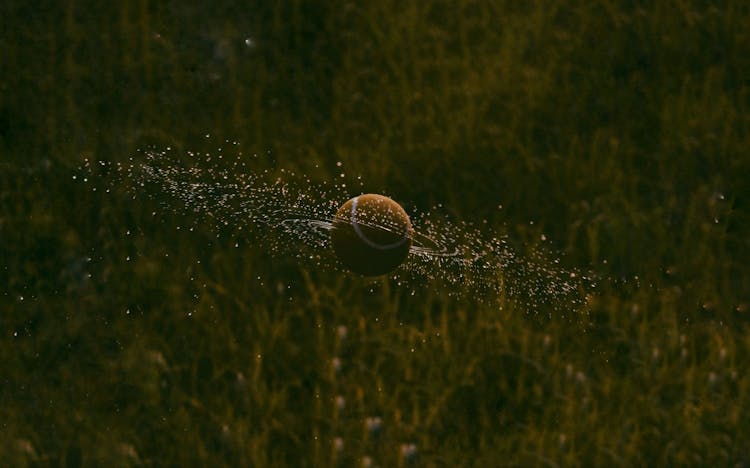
x: 371, y: 234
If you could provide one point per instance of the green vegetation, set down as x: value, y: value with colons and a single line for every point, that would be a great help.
x: 621, y: 129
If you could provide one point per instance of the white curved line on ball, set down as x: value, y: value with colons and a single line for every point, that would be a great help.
x: 369, y: 242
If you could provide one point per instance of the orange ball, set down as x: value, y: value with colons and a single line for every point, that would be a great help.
x: 371, y: 234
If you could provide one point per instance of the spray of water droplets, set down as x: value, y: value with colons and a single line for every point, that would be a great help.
x: 291, y: 216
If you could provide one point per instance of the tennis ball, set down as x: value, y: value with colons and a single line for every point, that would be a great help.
x: 371, y: 234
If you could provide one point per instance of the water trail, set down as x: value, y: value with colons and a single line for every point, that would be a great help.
x: 291, y: 216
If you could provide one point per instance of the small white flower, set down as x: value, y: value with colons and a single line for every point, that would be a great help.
x: 374, y: 425
x: 338, y: 444
x: 408, y: 452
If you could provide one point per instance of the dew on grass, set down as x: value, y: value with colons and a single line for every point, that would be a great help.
x: 291, y: 216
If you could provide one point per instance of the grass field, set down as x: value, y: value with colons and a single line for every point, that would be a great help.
x: 618, y: 130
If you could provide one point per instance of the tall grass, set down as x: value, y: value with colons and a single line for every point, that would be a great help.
x: 619, y: 130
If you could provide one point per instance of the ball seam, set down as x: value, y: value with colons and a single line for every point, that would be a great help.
x: 368, y: 241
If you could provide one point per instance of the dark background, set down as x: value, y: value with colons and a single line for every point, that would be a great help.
x: 619, y: 128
